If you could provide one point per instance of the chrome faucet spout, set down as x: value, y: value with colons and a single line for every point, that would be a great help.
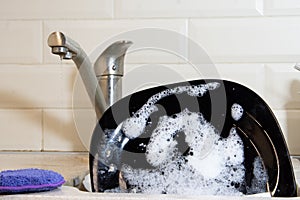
x: 63, y: 46
x: 67, y: 48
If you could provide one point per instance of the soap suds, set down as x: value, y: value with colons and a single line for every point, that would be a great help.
x: 213, y: 165
x: 214, y: 169
x: 260, y: 179
x: 237, y: 111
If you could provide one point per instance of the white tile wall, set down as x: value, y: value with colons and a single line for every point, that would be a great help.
x: 21, y: 42
x: 248, y: 39
x: 255, y: 43
x: 143, y: 76
x: 61, y: 133
x: 281, y: 7
x: 21, y: 129
x: 282, y: 86
x: 92, y: 34
x: 289, y: 123
x: 56, y: 9
x: 38, y: 86
x: 190, y: 8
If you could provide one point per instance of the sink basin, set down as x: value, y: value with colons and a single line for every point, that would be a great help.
x: 257, y: 128
x: 70, y: 193
x: 67, y: 192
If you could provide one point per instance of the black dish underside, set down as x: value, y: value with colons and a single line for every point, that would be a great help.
x: 265, y: 140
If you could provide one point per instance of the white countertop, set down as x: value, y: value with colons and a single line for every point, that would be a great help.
x: 63, y: 162
x: 67, y: 192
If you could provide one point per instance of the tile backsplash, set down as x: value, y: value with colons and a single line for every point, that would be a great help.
x: 255, y: 43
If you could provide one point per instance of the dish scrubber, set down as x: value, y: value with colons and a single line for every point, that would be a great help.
x: 29, y: 180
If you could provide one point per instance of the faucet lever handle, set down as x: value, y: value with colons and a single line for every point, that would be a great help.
x: 111, y: 61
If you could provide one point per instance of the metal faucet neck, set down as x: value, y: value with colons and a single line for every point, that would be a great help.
x: 109, y: 64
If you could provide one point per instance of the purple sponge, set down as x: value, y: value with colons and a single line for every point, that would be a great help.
x: 29, y: 180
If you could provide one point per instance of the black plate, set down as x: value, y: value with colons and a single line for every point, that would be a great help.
x: 259, y: 131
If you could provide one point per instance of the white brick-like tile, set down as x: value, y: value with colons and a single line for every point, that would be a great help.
x: 25, y: 86
x: 65, y: 130
x: 21, y: 42
x: 248, y: 39
x: 143, y: 76
x: 191, y: 8
x: 249, y: 75
x: 56, y: 9
x: 91, y: 35
x: 138, y: 77
x: 21, y: 130
x: 281, y: 7
x: 289, y: 123
x: 282, y: 86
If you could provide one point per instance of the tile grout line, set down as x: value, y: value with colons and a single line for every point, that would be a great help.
x: 43, y: 130
x: 43, y: 35
x: 260, y: 7
x: 113, y: 10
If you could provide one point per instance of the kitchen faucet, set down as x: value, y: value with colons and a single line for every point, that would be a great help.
x: 103, y: 82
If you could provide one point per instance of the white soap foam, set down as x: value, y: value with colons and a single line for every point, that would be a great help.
x: 260, y: 179
x: 213, y: 166
x: 214, y: 169
x: 134, y: 126
x: 237, y: 111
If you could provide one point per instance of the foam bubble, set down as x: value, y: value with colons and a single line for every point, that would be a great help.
x: 236, y: 111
